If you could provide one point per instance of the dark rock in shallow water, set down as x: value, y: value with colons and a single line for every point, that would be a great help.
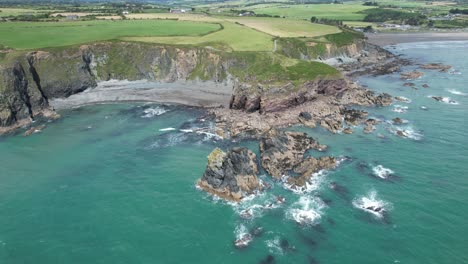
x: 411, y: 75
x: 231, y: 175
x: 397, y: 121
x: 409, y: 84
x: 436, y: 66
x: 425, y: 85
x: 268, y: 260
x: 354, y: 117
x: 339, y: 188
x: 312, y: 260
x: 256, y: 231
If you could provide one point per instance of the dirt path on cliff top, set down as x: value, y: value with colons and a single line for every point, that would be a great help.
x: 203, y: 94
x: 384, y: 39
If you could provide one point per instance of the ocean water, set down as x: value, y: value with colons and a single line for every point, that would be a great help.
x: 116, y: 184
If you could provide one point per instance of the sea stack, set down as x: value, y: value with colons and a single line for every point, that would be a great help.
x: 231, y: 175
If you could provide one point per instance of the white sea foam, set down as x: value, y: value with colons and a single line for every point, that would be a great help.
x: 372, y: 204
x: 306, y: 211
x: 446, y: 100
x: 186, y: 130
x: 274, y: 246
x: 399, y: 108
x: 311, y: 185
x: 152, y: 112
x: 167, y: 129
x: 453, y: 91
x: 382, y: 172
x: 406, y: 131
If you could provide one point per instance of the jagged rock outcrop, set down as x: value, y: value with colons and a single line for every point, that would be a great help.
x: 365, y: 98
x: 282, y: 151
x: 354, y: 117
x: 276, y: 99
x: 308, y: 167
x: 231, y: 175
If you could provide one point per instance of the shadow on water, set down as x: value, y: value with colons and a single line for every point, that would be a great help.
x: 269, y: 259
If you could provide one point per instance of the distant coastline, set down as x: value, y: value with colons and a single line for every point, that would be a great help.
x: 385, y: 39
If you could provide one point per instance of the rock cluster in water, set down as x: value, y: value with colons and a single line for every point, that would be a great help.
x: 231, y: 175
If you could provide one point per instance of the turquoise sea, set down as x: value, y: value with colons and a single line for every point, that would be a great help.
x: 104, y: 184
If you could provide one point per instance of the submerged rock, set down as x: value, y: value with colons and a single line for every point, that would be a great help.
x: 411, y: 75
x: 33, y: 130
x: 397, y: 121
x: 409, y: 84
x: 402, y: 99
x: 231, y: 175
x: 425, y: 85
x: 436, y: 66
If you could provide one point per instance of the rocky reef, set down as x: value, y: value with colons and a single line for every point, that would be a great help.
x: 231, y: 175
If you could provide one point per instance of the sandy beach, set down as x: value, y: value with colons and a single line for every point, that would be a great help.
x: 191, y: 93
x: 384, y: 39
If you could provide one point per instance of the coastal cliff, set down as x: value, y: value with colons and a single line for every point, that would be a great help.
x: 261, y: 82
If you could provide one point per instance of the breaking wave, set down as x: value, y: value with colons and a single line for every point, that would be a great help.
x: 306, y: 211
x: 400, y: 108
x: 382, y: 172
x: 456, y: 92
x: 371, y: 204
x: 153, y: 111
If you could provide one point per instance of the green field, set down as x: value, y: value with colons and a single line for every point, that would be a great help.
x: 29, y: 35
x: 281, y: 27
x: 349, y: 12
x: 232, y: 37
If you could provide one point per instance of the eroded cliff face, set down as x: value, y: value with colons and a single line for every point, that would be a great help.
x: 28, y: 80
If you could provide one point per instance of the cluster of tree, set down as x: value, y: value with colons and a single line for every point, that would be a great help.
x: 369, y: 3
x: 383, y: 15
x: 326, y: 21
x: 35, y: 17
x: 459, y: 11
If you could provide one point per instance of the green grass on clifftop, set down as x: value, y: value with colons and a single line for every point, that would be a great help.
x: 30, y: 35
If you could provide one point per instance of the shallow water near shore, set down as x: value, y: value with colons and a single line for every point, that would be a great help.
x: 116, y: 184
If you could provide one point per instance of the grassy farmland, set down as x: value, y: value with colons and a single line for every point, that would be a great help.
x: 232, y: 37
x: 285, y: 27
x: 29, y: 35
x: 349, y: 12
